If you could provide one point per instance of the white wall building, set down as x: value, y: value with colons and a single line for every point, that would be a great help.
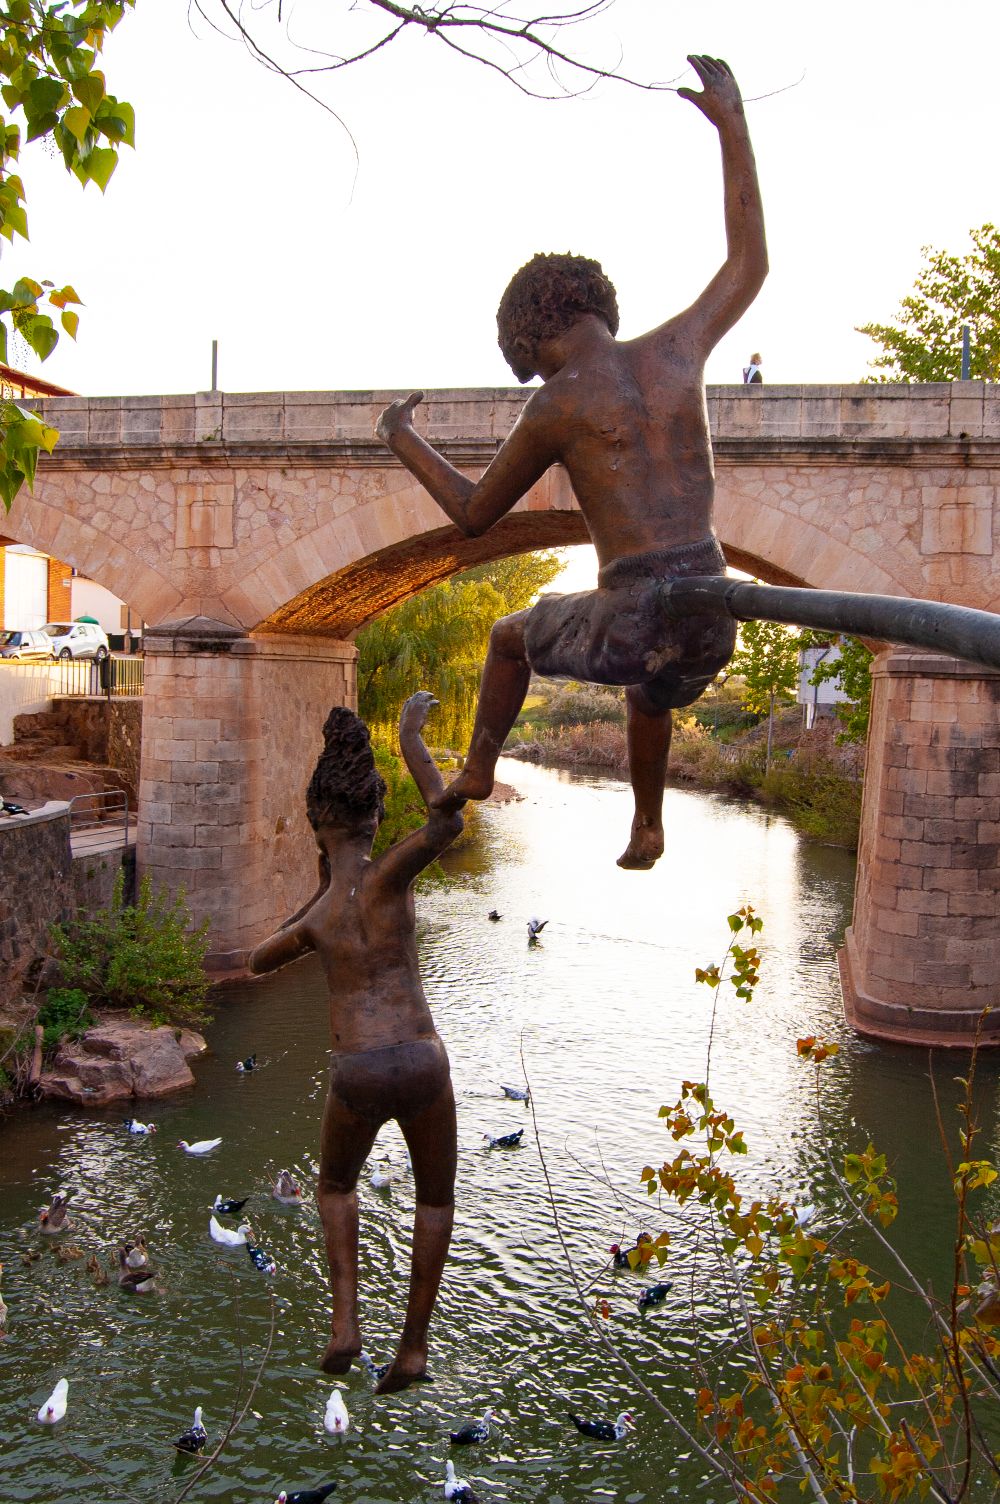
x: 818, y: 699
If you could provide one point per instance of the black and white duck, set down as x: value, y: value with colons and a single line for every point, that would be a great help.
x: 456, y: 1489
x: 261, y: 1260
x: 643, y: 1250
x: 605, y: 1430
x: 474, y: 1430
x: 505, y: 1141
x: 228, y: 1206
x: 654, y: 1295
x: 246, y: 1066
x: 306, y: 1495
x: 195, y: 1437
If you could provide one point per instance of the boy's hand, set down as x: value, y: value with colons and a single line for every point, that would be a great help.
x: 416, y: 710
x: 721, y: 99
x: 397, y: 415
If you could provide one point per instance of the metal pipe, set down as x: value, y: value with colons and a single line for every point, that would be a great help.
x: 959, y: 630
x: 966, y: 353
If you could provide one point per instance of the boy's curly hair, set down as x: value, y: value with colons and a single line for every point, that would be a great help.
x: 547, y: 296
x: 345, y: 786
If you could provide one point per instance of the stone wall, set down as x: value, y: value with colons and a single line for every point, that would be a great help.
x: 921, y: 960
x: 107, y: 731
x: 37, y: 889
x: 231, y: 734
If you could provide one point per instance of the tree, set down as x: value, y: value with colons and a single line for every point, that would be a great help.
x: 53, y: 91
x: 767, y: 659
x: 438, y: 640
x: 925, y: 343
x: 852, y: 670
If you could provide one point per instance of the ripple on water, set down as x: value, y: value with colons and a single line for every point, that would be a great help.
x: 609, y: 1021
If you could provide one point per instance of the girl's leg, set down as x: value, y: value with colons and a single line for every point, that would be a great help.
x: 431, y: 1137
x: 345, y: 1144
x: 648, y: 736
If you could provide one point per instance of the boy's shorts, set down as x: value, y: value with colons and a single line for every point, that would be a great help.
x: 617, y: 634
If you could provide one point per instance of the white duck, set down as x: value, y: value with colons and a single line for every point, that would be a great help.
x: 226, y: 1237
x: 286, y: 1189
x: 336, y: 1419
x: 132, y: 1125
x: 203, y: 1145
x: 381, y: 1179
x: 456, y: 1488
x: 55, y: 1406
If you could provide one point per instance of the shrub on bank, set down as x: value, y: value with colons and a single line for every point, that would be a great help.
x: 143, y: 957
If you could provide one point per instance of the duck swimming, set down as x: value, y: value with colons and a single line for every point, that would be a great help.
x: 335, y: 1417
x: 643, y: 1250
x: 605, y: 1430
x: 474, y: 1430
x: 203, y: 1145
x: 261, y: 1260
x: 226, y: 1236
x: 456, y: 1489
x: 247, y: 1065
x: 306, y: 1495
x: 194, y: 1438
x: 141, y: 1281
x: 505, y: 1141
x: 516, y: 1093
x: 654, y: 1294
x: 286, y: 1190
x: 54, y: 1217
x: 228, y: 1207
x: 132, y: 1125
x: 55, y: 1406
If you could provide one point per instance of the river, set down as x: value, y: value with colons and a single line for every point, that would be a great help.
x: 610, y: 1020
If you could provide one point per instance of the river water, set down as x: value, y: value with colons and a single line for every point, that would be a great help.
x: 609, y: 1020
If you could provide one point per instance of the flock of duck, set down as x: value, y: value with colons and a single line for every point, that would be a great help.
x: 137, y: 1276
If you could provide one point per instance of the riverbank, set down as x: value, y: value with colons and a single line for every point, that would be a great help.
x: 812, y: 779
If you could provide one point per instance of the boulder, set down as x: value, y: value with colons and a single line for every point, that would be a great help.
x: 120, y: 1058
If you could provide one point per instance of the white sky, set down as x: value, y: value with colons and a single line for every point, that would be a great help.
x: 238, y: 216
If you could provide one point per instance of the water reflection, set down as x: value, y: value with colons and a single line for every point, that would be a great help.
x: 609, y: 1020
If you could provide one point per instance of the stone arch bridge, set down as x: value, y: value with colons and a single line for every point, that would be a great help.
x: 256, y: 533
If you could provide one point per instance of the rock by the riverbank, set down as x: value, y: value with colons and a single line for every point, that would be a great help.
x: 121, y: 1058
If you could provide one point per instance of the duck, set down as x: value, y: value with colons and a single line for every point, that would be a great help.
x: 494, y: 916
x: 29, y: 1255
x: 505, y: 1141
x: 261, y: 1260
x: 132, y: 1125
x: 474, y: 1430
x: 643, y: 1247
x: 306, y: 1495
x: 3, y: 1306
x: 226, y: 1236
x: 202, y: 1146
x: 335, y: 1417
x: 605, y: 1430
x: 55, y: 1406
x: 375, y: 1371
x: 286, y: 1190
x: 136, y: 1252
x: 96, y: 1270
x: 141, y: 1281
x: 246, y: 1066
x: 54, y: 1217
x: 227, y: 1206
x: 194, y: 1438
x: 535, y: 927
x: 65, y: 1253
x: 517, y: 1093
x: 654, y: 1294
x: 381, y: 1179
x: 455, y: 1488
x: 804, y: 1214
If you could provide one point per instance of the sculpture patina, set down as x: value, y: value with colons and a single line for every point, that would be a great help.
x: 628, y: 421
x: 388, y: 1061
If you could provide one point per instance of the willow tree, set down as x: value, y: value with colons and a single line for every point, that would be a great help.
x: 437, y: 640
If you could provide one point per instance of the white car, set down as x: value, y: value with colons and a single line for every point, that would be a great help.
x: 77, y: 639
x: 22, y: 647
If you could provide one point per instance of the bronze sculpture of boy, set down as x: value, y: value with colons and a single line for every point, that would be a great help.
x: 388, y: 1061
x: 627, y: 419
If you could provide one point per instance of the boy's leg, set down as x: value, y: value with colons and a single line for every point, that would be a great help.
x: 648, y: 733
x: 505, y: 683
x: 431, y: 1137
x: 346, y: 1143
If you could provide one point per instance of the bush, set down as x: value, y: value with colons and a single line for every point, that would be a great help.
x: 65, y: 1014
x: 586, y: 704
x: 142, y: 957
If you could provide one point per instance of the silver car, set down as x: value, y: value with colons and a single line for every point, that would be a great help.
x: 25, y: 647
x: 77, y: 639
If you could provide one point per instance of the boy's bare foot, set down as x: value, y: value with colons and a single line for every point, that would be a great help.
x: 407, y: 1368
x: 343, y: 1348
x: 645, y: 847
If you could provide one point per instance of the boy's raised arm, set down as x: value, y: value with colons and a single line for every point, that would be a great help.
x: 738, y: 281
x: 472, y: 505
x: 287, y: 944
x: 404, y: 861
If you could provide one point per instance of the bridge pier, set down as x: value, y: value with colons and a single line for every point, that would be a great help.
x: 921, y: 960
x: 231, y: 733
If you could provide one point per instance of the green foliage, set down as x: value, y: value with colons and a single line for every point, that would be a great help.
x: 53, y: 90
x: 65, y: 1014
x: 817, y: 798
x: 405, y: 811
x: 852, y: 670
x: 142, y: 957
x: 586, y: 705
x: 438, y: 641
x: 767, y: 660
x: 925, y: 343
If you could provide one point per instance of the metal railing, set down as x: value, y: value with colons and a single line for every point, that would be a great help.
x: 114, y: 676
x: 99, y: 822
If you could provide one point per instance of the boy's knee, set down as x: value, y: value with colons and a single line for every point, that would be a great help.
x: 335, y: 1185
x: 507, y: 636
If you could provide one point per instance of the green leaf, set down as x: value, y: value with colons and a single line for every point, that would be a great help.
x: 41, y: 335
x: 98, y: 166
x: 90, y: 90
x: 77, y: 121
x: 70, y: 322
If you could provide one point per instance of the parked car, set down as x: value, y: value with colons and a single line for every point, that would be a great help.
x: 77, y: 639
x: 24, y: 647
